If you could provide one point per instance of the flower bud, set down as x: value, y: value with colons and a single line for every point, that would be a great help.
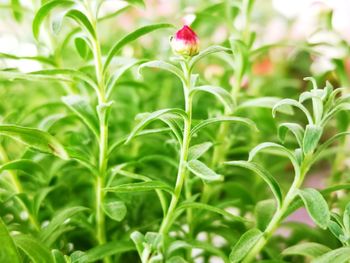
x: 185, y: 42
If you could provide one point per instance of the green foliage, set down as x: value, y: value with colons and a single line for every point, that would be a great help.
x: 114, y: 150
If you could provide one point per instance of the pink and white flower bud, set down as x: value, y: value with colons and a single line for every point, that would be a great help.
x: 185, y: 42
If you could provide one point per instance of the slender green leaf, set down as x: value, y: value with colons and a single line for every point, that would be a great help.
x: 308, y: 249
x: 265, y: 102
x: 34, y: 249
x: 164, y: 66
x: 139, y: 187
x: 207, y: 122
x: 289, y: 102
x: 116, y: 210
x: 245, y: 244
x: 202, y: 206
x: 336, y: 229
x: 340, y: 255
x: 36, y: 139
x: 312, y: 136
x: 50, y: 233
x: 44, y: 11
x: 82, y: 108
x: 206, y: 52
x: 316, y: 206
x: 119, y: 72
x: 83, y: 47
x: 131, y: 37
x: 275, y: 149
x: 25, y: 165
x: 198, y: 150
x: 152, y: 117
x: 8, y: 251
x: 202, y: 171
x: 264, y: 211
x: 16, y: 10
x: 264, y: 174
x: 102, y: 251
x: 223, y: 95
x: 295, y: 128
x: 83, y: 21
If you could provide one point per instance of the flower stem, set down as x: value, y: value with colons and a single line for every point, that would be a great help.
x: 182, y: 171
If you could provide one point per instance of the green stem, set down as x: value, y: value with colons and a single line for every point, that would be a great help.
x: 182, y: 171
x: 280, y: 213
x: 102, y: 110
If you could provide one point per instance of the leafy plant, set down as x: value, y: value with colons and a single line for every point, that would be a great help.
x: 112, y: 149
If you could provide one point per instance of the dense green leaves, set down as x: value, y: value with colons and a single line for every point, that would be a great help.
x: 180, y: 191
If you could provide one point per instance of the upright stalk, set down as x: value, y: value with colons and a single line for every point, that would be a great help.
x: 181, y: 175
x: 102, y: 110
x: 280, y: 213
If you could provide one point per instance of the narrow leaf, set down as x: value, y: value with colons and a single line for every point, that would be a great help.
x: 164, y: 66
x: 131, y: 37
x: 139, y: 187
x: 207, y: 122
x: 202, y: 171
x: 116, y: 210
x: 264, y: 211
x: 312, y: 136
x: 265, y: 102
x: 102, y: 251
x: 34, y: 249
x: 154, y: 116
x: 316, y: 206
x: 245, y: 244
x: 36, y: 139
x: 264, y: 174
x: 308, y: 249
x: 198, y: 150
x: 82, y: 108
x: 223, y: 95
x: 294, y: 128
x: 44, y: 11
x: 206, y: 52
x: 340, y: 255
x: 8, y: 251
x: 289, y: 102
